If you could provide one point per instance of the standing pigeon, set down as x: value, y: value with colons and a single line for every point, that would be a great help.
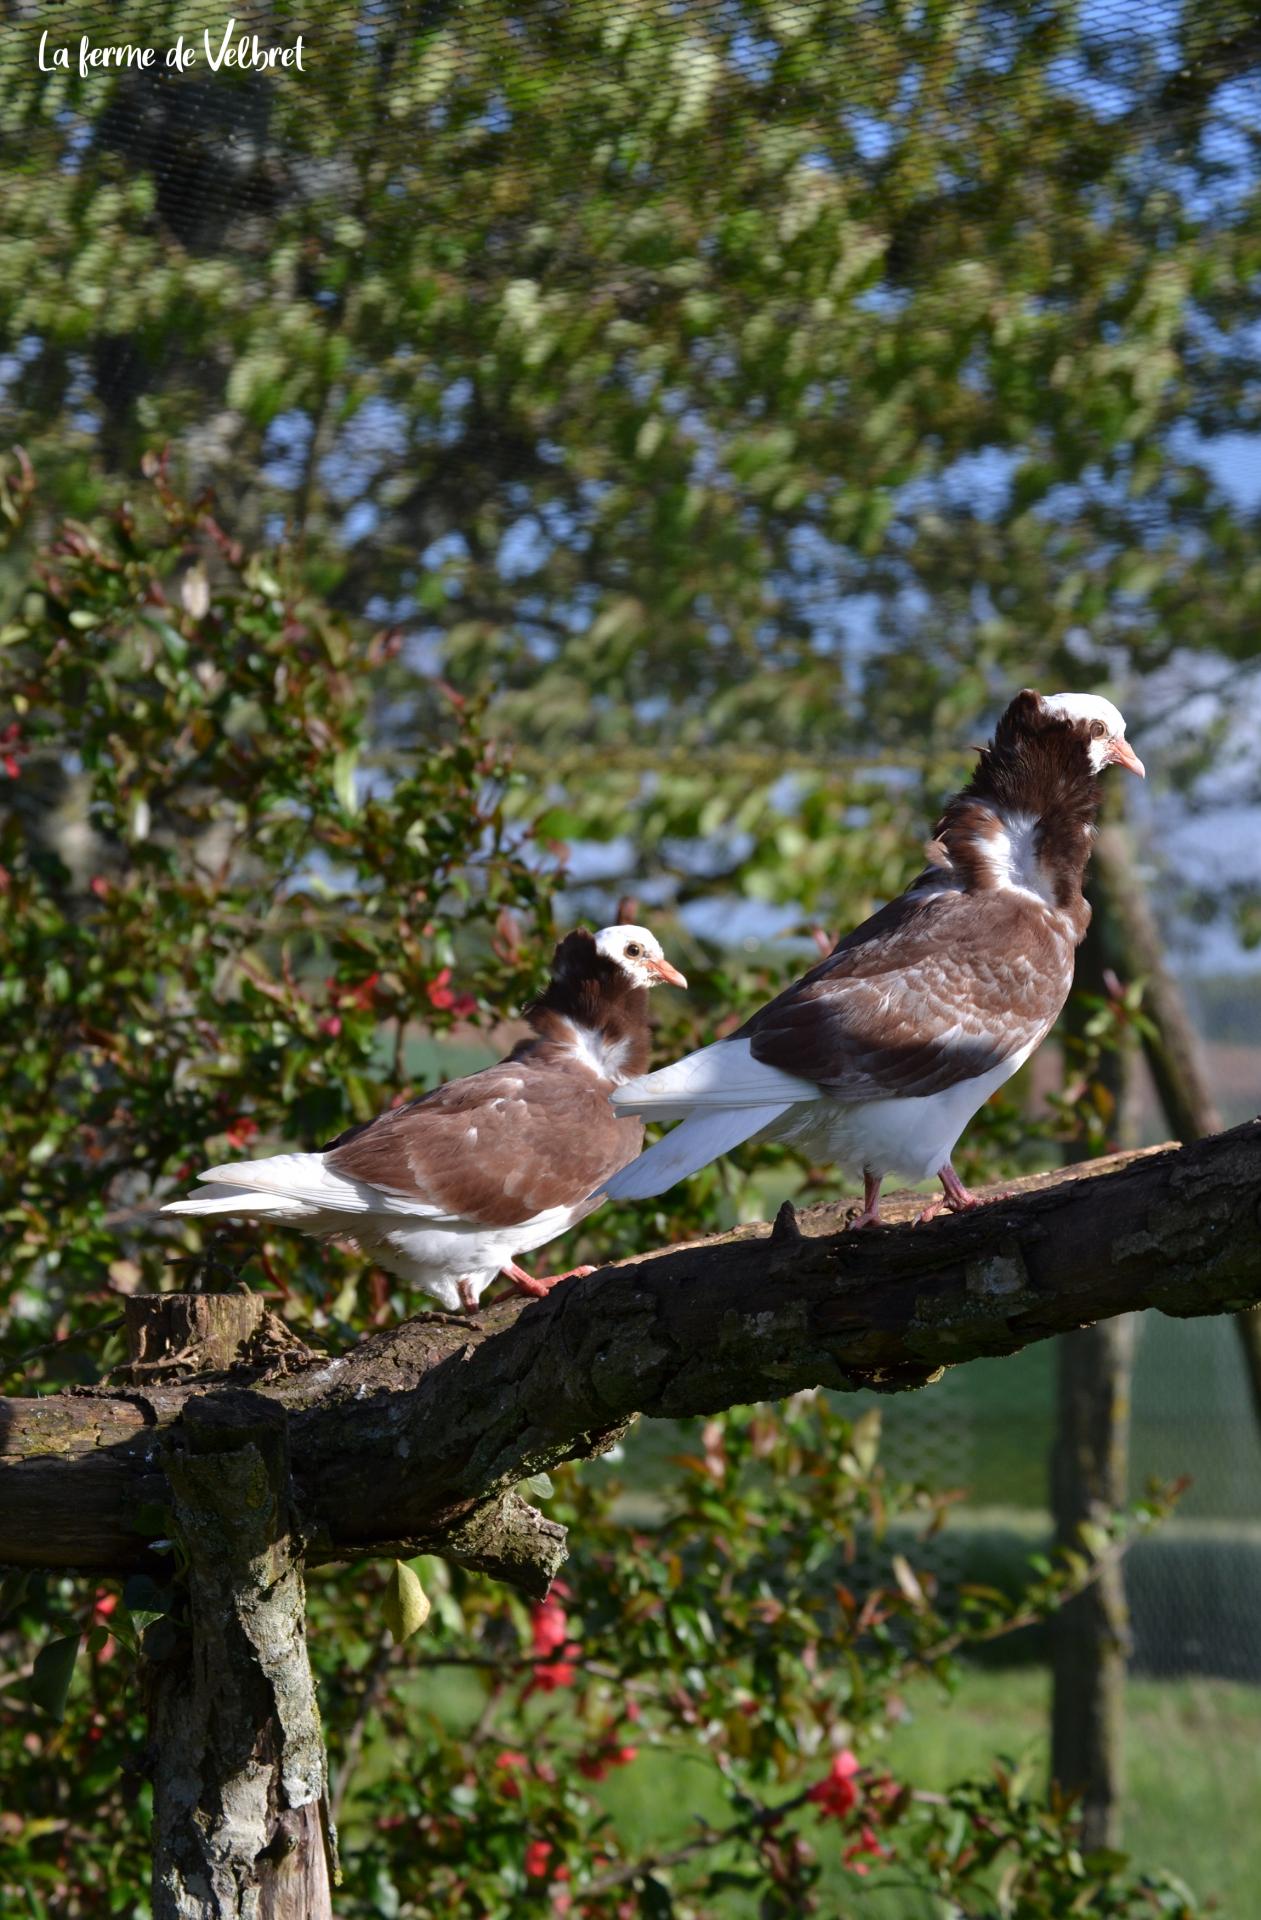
x: 877, y: 1059
x: 448, y: 1189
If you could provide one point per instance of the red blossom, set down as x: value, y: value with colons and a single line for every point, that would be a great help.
x: 868, y: 1845
x: 537, y: 1855
x: 243, y: 1129
x: 509, y: 1762
x: 331, y: 1024
x: 594, y: 1766
x: 100, y: 886
x: 549, y: 1631
x: 360, y: 993
x: 549, y: 1625
x: 443, y: 996
x: 558, y: 1673
x: 836, y: 1793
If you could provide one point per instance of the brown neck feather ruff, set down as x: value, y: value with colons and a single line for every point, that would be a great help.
x: 1037, y: 768
x: 588, y: 989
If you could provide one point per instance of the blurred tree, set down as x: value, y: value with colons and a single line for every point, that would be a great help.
x: 727, y: 388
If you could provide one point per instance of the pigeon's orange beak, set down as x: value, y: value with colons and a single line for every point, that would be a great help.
x: 664, y: 971
x: 1122, y: 754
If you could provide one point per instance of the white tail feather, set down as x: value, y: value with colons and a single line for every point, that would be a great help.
x: 242, y: 1200
x: 699, y: 1140
x: 296, y: 1186
x: 722, y: 1075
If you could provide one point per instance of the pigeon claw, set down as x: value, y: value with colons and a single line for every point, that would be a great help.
x: 956, y: 1198
x: 869, y: 1214
x: 868, y: 1217
x: 538, y: 1286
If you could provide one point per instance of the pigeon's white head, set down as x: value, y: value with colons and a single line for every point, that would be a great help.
x: 639, y: 954
x: 1106, y: 727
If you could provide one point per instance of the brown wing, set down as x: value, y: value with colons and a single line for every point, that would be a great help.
x: 932, y: 990
x: 496, y: 1148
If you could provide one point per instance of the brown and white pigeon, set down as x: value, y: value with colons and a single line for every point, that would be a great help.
x: 877, y: 1059
x: 450, y: 1188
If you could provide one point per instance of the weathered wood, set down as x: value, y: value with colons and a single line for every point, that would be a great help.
x: 174, y: 1334
x: 415, y: 1439
x: 1091, y: 1633
x: 1171, y: 1046
x: 1090, y: 1640
x: 238, y: 1761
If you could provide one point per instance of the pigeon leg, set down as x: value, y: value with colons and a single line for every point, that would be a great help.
x: 958, y: 1199
x: 468, y: 1299
x: 955, y: 1198
x: 870, y: 1215
x: 538, y: 1287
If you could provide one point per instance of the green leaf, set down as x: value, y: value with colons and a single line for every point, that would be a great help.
x: 13, y: 1585
x: 406, y: 1604
x: 49, y: 1684
x: 865, y: 1438
x: 344, y: 779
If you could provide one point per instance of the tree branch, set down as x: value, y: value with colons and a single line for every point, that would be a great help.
x: 416, y: 1439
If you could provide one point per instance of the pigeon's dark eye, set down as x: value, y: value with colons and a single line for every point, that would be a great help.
x: 1097, y: 729
x: 634, y: 950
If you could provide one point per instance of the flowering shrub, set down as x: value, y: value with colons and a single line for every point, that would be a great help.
x: 226, y: 925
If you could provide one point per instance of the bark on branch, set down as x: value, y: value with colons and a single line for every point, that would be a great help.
x: 415, y: 1440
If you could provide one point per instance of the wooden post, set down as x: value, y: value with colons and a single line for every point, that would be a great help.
x: 1171, y: 1046
x: 241, y: 1826
x: 1090, y: 1637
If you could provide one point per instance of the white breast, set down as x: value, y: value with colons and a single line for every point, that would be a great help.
x: 914, y: 1137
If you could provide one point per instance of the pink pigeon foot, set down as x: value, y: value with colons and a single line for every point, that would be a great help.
x: 870, y: 1213
x: 955, y: 1199
x: 537, y: 1287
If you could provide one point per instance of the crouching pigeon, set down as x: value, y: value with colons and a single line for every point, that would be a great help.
x: 877, y: 1059
x: 450, y: 1188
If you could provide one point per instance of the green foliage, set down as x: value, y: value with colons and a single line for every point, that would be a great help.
x: 726, y: 402
x: 735, y: 392
x: 218, y: 914
x: 209, y: 928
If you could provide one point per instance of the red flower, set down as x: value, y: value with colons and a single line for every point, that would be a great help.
x: 549, y: 1626
x: 594, y: 1766
x: 242, y: 1131
x: 360, y: 994
x: 509, y: 1762
x: 442, y: 996
x: 331, y: 1024
x: 867, y: 1844
x: 537, y: 1855
x: 100, y: 886
x: 558, y: 1673
x: 549, y: 1629
x: 836, y: 1793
